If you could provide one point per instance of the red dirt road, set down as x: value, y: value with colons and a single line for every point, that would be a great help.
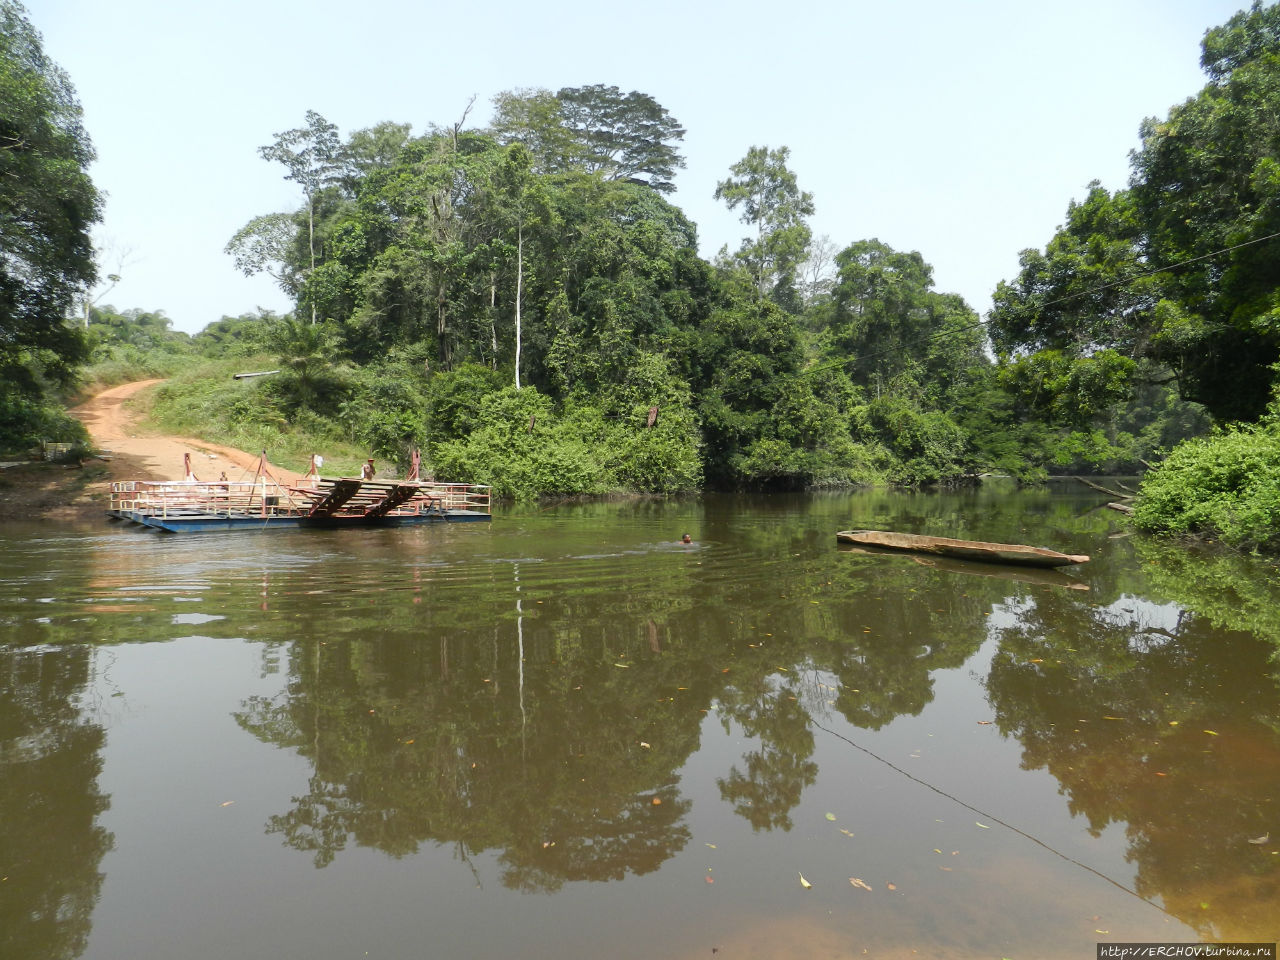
x: 141, y: 455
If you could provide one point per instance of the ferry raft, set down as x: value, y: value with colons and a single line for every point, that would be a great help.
x: 192, y: 505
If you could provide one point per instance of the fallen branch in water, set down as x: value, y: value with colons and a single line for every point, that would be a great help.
x: 1107, y: 491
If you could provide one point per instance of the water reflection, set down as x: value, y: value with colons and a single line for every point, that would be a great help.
x: 533, y: 698
x: 547, y: 713
x: 1151, y: 718
x: 49, y: 803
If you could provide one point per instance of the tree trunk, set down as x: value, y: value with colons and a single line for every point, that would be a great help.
x: 311, y: 245
x: 519, y: 294
x: 442, y: 327
x: 493, y: 323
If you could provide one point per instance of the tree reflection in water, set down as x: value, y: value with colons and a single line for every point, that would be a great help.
x: 50, y: 760
x: 1124, y: 705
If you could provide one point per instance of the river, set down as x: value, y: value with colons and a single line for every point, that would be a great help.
x: 565, y: 734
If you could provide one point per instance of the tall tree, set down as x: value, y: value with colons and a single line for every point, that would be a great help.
x: 1207, y: 185
x: 521, y: 206
x: 311, y: 156
x: 598, y: 129
x: 628, y: 136
x: 1181, y: 272
x: 262, y: 246
x: 772, y: 202
x: 48, y: 205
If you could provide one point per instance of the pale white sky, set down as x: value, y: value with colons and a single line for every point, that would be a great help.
x: 957, y: 129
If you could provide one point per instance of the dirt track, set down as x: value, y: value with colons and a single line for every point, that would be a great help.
x: 49, y: 491
x: 140, y: 455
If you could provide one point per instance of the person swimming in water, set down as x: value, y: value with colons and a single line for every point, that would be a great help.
x: 686, y: 539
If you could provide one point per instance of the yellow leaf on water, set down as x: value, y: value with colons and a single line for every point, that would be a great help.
x: 805, y: 883
x: 1212, y: 733
x: 625, y: 666
x: 847, y: 833
x: 226, y: 803
x: 982, y: 825
x: 859, y: 883
x: 831, y: 816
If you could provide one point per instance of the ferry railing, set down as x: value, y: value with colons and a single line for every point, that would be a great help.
x: 255, y: 498
x: 217, y: 498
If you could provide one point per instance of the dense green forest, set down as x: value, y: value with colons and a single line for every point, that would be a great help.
x: 521, y: 302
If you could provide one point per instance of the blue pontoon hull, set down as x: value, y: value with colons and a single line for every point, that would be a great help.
x: 208, y: 524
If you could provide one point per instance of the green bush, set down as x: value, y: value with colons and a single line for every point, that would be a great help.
x: 1226, y: 485
x: 26, y: 420
x: 521, y: 451
x: 386, y: 411
x: 927, y: 446
x: 454, y: 398
x: 524, y: 449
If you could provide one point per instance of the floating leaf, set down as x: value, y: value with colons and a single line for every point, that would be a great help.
x: 847, y: 833
x: 982, y: 825
x: 831, y: 817
x: 645, y: 745
x: 227, y: 803
x: 859, y: 883
x: 657, y: 801
x: 711, y: 845
x: 1212, y: 733
x: 805, y: 883
x: 625, y: 666
x: 1259, y: 841
x: 710, y: 879
x: 892, y: 886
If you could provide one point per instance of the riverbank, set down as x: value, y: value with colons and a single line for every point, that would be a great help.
x: 52, y: 491
x: 117, y: 426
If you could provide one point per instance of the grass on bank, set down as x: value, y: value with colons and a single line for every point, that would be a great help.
x: 204, y: 400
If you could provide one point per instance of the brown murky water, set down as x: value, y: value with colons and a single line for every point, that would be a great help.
x: 566, y: 735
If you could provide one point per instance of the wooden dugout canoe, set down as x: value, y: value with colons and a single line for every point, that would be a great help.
x: 1013, y: 553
